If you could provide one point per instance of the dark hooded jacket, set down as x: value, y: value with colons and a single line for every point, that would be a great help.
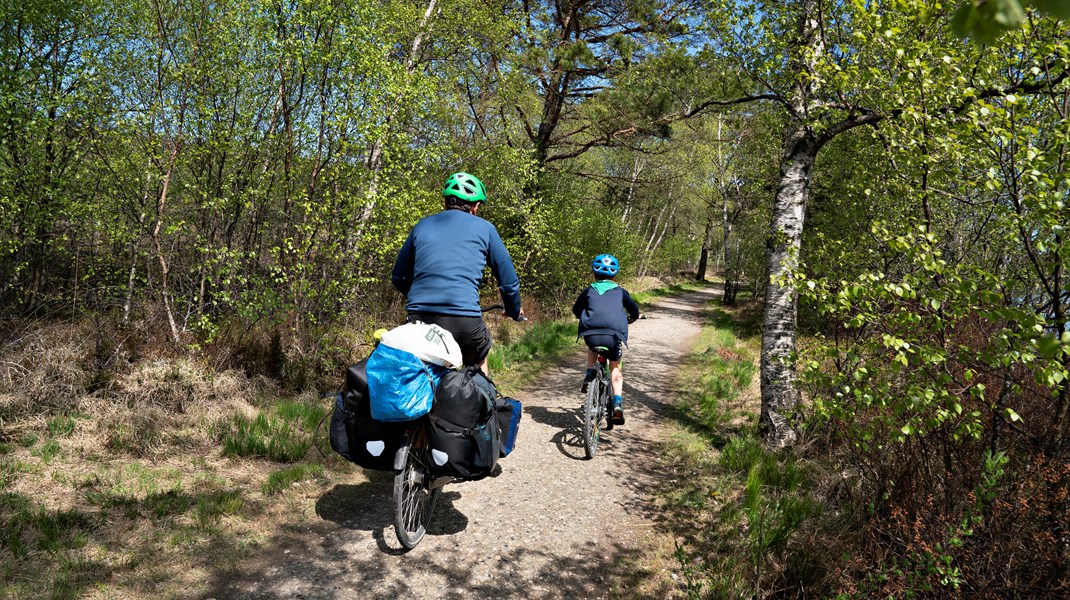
x: 605, y: 307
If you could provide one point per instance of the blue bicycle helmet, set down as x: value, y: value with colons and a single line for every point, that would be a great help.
x: 605, y: 264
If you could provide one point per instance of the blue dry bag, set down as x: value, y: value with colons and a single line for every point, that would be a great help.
x: 401, y: 387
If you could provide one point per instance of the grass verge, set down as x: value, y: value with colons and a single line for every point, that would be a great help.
x: 731, y: 508
x: 522, y: 352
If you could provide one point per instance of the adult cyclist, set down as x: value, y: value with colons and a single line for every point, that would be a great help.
x: 440, y: 268
x: 605, y: 309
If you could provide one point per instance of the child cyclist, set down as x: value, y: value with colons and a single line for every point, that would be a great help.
x: 605, y: 309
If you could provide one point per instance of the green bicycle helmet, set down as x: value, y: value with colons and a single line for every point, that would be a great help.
x: 465, y: 187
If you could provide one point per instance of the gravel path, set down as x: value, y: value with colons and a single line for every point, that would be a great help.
x: 550, y: 525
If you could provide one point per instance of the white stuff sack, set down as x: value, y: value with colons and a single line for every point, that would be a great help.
x: 430, y: 343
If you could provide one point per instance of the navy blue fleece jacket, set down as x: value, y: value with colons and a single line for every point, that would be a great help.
x: 440, y: 266
x: 605, y: 307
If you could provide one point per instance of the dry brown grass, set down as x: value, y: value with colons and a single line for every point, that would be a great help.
x: 42, y: 367
x: 150, y: 507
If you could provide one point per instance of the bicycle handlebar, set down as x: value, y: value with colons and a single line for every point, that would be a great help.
x: 502, y: 308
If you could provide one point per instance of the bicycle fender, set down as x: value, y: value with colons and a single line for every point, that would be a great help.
x: 401, y: 455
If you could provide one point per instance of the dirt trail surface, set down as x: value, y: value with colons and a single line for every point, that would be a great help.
x: 550, y: 525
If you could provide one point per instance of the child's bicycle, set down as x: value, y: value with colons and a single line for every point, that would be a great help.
x: 596, y: 405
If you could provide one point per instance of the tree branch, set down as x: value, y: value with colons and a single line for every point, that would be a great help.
x: 691, y: 112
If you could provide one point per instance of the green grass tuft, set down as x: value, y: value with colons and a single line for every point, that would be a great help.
x: 302, y: 413
x: 28, y: 527
x: 166, y: 504
x: 282, y: 479
x: 10, y: 471
x: 61, y: 425
x: 214, y: 505
x: 47, y: 451
x: 282, y: 433
x: 265, y: 437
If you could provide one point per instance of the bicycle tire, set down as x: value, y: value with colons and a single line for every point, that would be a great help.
x: 414, y: 503
x: 593, y: 408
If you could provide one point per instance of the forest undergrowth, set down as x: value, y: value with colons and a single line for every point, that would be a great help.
x: 741, y: 521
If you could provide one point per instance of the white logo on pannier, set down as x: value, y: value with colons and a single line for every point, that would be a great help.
x: 375, y: 447
x: 439, y: 456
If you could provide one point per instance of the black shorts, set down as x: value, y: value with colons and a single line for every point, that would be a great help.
x: 470, y: 333
x: 616, y: 348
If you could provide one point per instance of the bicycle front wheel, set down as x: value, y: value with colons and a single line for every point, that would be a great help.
x: 413, y: 501
x: 592, y: 418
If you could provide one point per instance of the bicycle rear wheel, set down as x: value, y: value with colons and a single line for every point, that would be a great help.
x: 413, y: 501
x: 593, y: 408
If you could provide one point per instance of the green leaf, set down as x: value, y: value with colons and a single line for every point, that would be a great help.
x: 1013, y: 416
x: 986, y: 21
x: 1048, y: 346
x: 1055, y: 8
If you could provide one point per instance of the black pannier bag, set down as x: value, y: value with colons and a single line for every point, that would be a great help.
x: 354, y: 433
x: 508, y: 412
x: 463, y: 427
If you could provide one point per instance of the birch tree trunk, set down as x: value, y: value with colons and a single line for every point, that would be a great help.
x: 127, y: 304
x: 637, y: 168
x: 704, y: 256
x: 730, y: 275
x: 165, y: 293
x: 374, y: 162
x: 780, y: 396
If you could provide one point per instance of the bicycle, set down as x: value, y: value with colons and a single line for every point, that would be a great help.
x: 415, y: 490
x: 596, y: 405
